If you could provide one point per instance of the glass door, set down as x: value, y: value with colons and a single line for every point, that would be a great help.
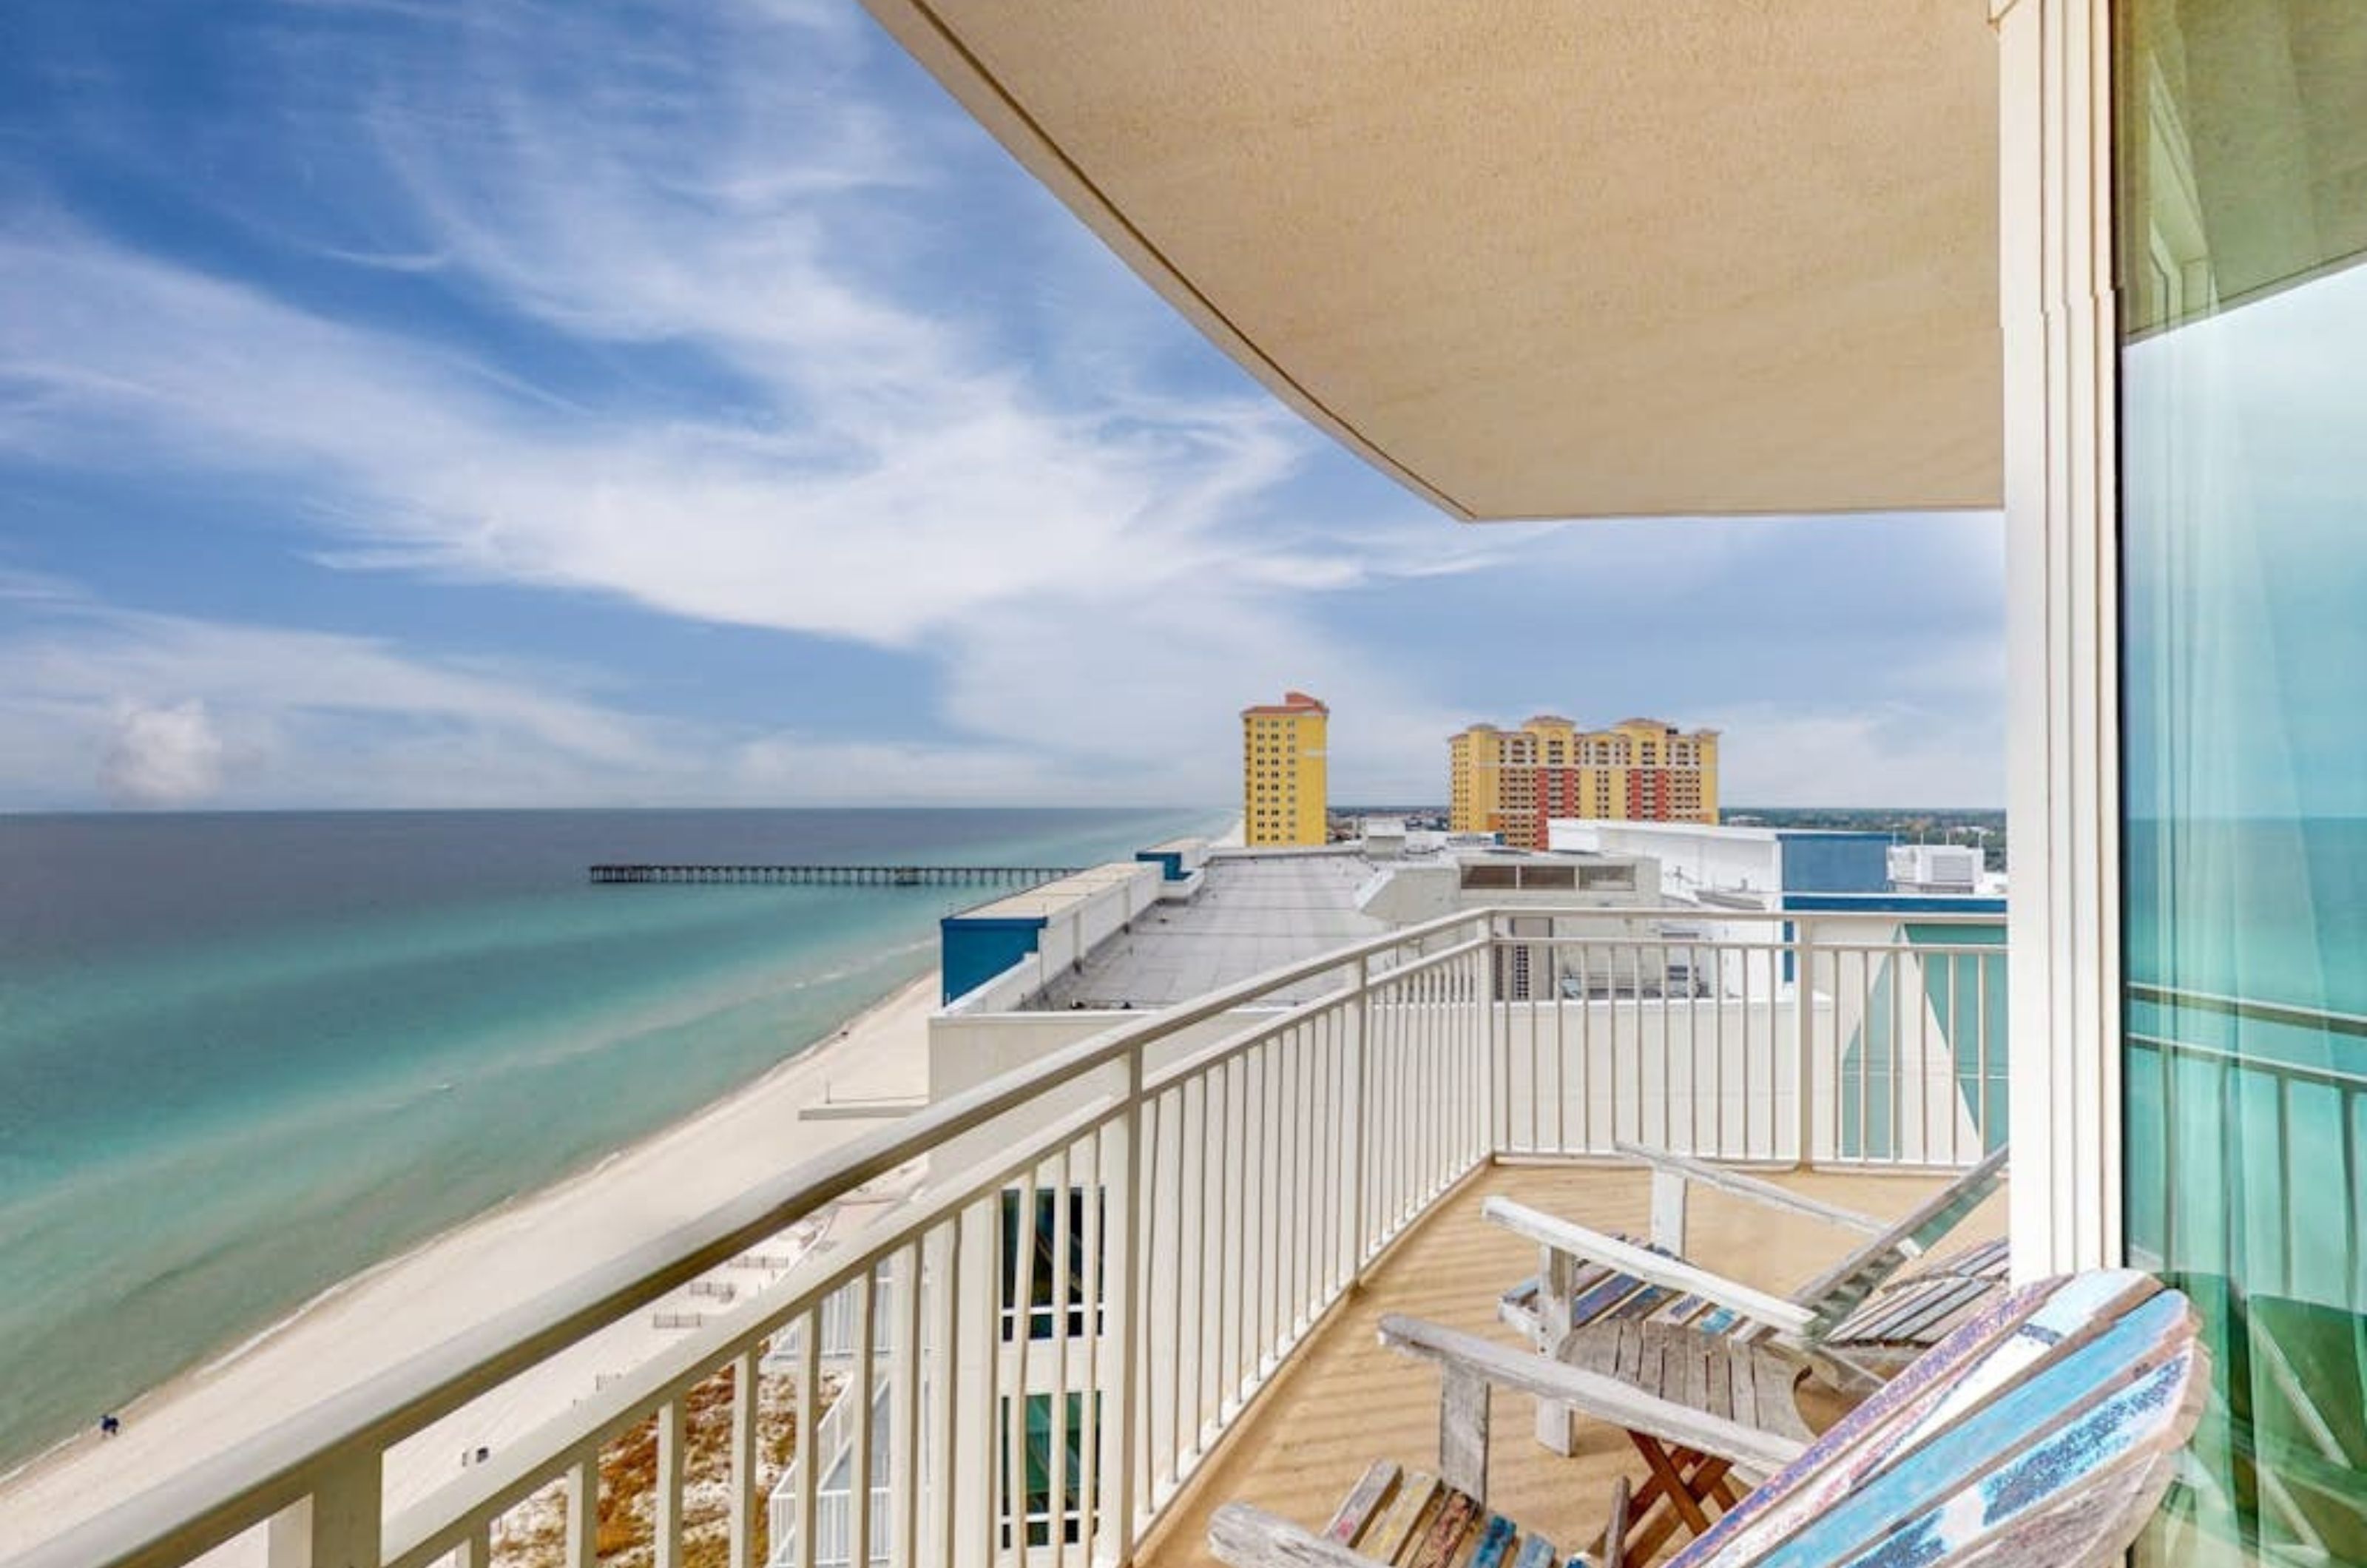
x: 2241, y: 196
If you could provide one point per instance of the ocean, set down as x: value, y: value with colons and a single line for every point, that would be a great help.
x: 245, y: 1056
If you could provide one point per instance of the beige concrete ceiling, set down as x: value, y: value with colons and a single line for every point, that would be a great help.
x: 1547, y: 258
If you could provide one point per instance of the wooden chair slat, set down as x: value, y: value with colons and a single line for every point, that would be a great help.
x: 1990, y: 1260
x: 1604, y: 1298
x: 1746, y: 1408
x: 1680, y: 1310
x: 1538, y: 1553
x: 1652, y: 1367
x: 1598, y: 1292
x: 2083, y: 1529
x: 1631, y: 1351
x: 1889, y: 1307
x: 1457, y: 1515
x: 2131, y: 1430
x: 1719, y: 1320
x: 1417, y: 1500
x: 1837, y: 1295
x: 1937, y: 1311
x: 1640, y: 1305
x: 1520, y: 1305
x: 1693, y: 1368
x: 1497, y: 1539
x: 1364, y: 1505
x: 1598, y: 1353
x: 1912, y: 1311
x: 1914, y: 1475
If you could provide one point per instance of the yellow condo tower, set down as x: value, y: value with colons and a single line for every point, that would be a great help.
x: 1513, y: 781
x: 1283, y: 783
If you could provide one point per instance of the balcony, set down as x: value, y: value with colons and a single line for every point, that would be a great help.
x: 1299, y: 1449
x: 1140, y: 1275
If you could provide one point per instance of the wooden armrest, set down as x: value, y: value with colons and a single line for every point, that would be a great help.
x: 1650, y: 1266
x: 1750, y: 1187
x: 1604, y: 1397
x: 1252, y: 1538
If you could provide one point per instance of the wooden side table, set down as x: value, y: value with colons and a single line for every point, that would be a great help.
x: 1755, y: 1386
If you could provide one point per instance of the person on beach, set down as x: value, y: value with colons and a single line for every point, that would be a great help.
x: 109, y: 1423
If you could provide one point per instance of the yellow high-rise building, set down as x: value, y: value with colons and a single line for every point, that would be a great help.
x: 1512, y: 782
x: 1283, y: 785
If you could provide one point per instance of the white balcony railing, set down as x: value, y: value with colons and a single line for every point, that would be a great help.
x: 1230, y: 1170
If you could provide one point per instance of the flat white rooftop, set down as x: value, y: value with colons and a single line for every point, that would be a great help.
x: 1254, y: 913
x: 1053, y: 898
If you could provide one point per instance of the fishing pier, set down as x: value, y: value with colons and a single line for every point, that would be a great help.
x: 835, y: 876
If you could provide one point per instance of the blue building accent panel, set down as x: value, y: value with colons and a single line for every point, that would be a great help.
x: 1836, y: 863
x: 974, y: 949
x: 1892, y: 904
x: 1171, y: 860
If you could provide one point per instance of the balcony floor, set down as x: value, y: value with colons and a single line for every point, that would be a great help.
x: 1343, y: 1402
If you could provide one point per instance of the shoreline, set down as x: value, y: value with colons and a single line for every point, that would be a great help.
x: 493, y: 1261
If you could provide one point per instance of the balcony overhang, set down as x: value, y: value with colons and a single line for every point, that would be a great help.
x: 1548, y: 259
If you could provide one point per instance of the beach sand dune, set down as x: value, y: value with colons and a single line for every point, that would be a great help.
x: 492, y: 1264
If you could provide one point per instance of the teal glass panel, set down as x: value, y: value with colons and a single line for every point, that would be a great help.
x: 2241, y: 205
x: 1939, y: 1004
x: 1056, y: 1305
x: 1868, y: 1131
x: 1079, y: 1446
x: 1964, y: 972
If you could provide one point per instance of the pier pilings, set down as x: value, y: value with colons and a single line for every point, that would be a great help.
x: 818, y: 876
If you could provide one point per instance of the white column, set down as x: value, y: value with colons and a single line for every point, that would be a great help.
x: 2057, y: 313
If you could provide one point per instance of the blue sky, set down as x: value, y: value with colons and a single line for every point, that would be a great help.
x: 500, y: 403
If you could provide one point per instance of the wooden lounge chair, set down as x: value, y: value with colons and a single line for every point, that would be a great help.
x: 1908, y: 1316
x: 1585, y: 1276
x: 1753, y: 1381
x: 2042, y: 1431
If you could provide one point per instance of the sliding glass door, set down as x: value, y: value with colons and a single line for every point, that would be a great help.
x: 2241, y: 179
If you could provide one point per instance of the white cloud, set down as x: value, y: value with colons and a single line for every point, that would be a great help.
x: 408, y: 459
x: 163, y: 756
x: 143, y: 710
x: 808, y: 417
x: 175, y: 710
x: 1869, y: 754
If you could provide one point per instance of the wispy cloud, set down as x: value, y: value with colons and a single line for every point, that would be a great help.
x: 872, y: 460
x: 145, y: 709
x: 724, y: 315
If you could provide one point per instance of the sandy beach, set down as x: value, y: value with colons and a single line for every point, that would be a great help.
x: 486, y: 1265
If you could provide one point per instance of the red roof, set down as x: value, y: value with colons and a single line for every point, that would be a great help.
x: 1292, y: 703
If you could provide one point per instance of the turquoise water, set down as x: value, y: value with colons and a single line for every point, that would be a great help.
x: 242, y: 1057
